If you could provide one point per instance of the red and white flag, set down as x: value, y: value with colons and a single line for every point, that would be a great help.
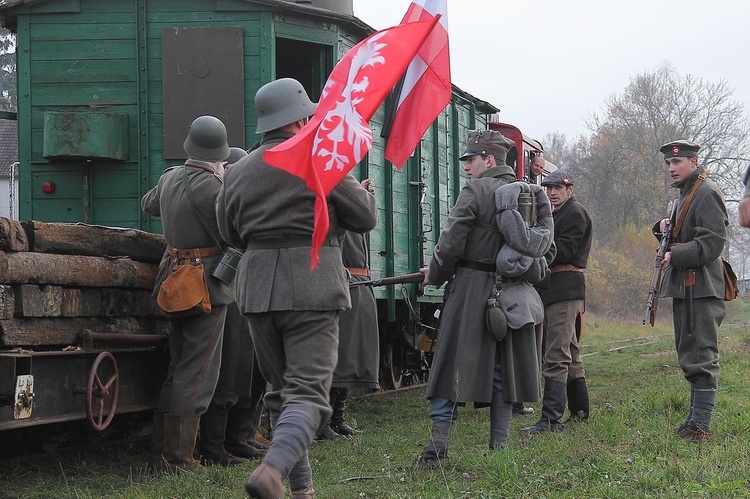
x: 338, y: 135
x: 427, y: 85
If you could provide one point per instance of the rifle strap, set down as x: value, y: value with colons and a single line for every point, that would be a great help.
x: 686, y: 205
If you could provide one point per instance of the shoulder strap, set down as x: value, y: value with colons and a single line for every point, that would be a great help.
x: 186, y: 183
x: 686, y: 205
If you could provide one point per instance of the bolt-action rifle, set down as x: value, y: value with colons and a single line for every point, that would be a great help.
x: 652, y: 302
x: 385, y: 281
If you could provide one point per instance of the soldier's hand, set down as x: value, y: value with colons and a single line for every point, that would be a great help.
x: 424, y: 270
x: 663, y: 224
x: 667, y: 259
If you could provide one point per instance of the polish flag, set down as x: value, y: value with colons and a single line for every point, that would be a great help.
x: 338, y: 135
x: 427, y: 84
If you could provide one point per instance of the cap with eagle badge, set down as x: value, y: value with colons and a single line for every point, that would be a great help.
x: 682, y: 148
x: 486, y: 142
x: 558, y: 177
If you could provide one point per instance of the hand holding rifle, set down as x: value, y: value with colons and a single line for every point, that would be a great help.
x: 661, y: 261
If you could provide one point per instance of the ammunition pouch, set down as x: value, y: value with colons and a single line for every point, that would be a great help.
x: 731, y: 290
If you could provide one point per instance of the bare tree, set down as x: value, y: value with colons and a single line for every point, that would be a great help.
x: 626, y: 183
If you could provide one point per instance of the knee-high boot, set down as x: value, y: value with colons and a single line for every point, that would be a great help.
x: 338, y: 418
x: 212, y: 432
x: 157, y: 441
x: 178, y: 443
x: 578, y: 400
x: 240, y: 431
x: 500, y: 415
x: 553, y: 408
x: 436, y: 449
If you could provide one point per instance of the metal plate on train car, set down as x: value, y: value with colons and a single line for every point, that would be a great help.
x: 24, y: 399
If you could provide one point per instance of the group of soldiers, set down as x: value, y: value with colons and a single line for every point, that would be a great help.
x: 511, y: 314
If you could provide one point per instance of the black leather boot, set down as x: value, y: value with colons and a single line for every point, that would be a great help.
x: 240, y: 430
x: 338, y: 419
x: 553, y: 408
x: 212, y: 431
x: 578, y: 401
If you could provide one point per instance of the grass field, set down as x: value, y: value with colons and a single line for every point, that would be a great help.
x: 629, y: 448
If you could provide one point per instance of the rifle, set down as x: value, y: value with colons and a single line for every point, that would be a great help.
x: 385, y: 281
x: 652, y: 302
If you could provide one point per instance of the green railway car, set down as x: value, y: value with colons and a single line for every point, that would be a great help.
x: 107, y: 89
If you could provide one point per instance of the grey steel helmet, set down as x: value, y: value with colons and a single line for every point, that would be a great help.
x: 281, y: 102
x: 236, y: 154
x: 207, y: 139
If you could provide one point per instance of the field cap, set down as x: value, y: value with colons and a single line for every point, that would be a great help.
x: 486, y: 142
x: 683, y: 148
x: 558, y: 177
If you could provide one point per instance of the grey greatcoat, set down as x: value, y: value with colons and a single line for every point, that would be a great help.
x: 359, y: 342
x: 196, y: 341
x: 463, y: 365
x: 698, y: 246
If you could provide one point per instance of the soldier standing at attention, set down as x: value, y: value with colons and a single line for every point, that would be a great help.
x: 564, y: 301
x: 191, y: 232
x: 465, y: 360
x: 694, y: 278
x: 292, y: 310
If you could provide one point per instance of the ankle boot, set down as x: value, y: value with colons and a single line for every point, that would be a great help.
x: 436, y: 449
x: 500, y: 414
x: 212, y: 432
x: 327, y: 433
x: 338, y: 420
x: 265, y: 483
x: 256, y: 439
x: 689, y: 417
x: 240, y: 429
x: 699, y: 428
x: 578, y: 401
x: 553, y: 408
x: 306, y: 493
x: 178, y: 443
x: 157, y: 437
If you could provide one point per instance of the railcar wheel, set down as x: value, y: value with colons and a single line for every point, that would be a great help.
x: 101, y: 396
x: 394, y: 364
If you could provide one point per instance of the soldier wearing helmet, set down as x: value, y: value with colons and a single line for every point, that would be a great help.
x: 292, y: 310
x: 184, y: 198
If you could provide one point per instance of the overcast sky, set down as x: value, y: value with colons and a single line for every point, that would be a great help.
x: 550, y: 64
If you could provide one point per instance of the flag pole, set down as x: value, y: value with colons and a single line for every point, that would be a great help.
x: 391, y: 107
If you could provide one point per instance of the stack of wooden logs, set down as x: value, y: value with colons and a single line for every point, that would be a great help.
x: 59, y: 279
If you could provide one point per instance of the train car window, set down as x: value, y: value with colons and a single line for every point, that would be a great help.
x: 202, y: 73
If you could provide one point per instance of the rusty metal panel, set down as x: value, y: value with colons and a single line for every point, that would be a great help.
x: 202, y: 73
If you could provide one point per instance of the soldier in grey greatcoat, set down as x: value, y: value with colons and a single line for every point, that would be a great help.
x: 359, y: 341
x: 292, y: 310
x: 698, y: 239
x: 191, y: 232
x: 466, y: 365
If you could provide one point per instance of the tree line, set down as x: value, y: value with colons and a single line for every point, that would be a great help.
x: 622, y: 180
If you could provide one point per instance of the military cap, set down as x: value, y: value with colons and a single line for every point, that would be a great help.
x: 486, y: 142
x: 558, y: 177
x: 683, y: 148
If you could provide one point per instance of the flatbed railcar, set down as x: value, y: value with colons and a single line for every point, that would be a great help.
x: 106, y: 91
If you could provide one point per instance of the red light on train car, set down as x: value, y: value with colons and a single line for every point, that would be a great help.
x: 49, y: 187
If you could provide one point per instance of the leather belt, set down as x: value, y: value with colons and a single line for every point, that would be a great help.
x: 194, y: 252
x: 471, y: 264
x: 565, y: 267
x: 286, y: 242
x: 359, y: 272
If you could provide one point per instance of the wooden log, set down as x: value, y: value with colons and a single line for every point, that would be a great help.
x: 56, y: 301
x: 64, y: 330
x: 76, y: 270
x: 94, y: 240
x: 12, y: 236
x: 7, y: 302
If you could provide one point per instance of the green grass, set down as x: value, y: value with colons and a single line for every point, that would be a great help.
x: 629, y: 449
